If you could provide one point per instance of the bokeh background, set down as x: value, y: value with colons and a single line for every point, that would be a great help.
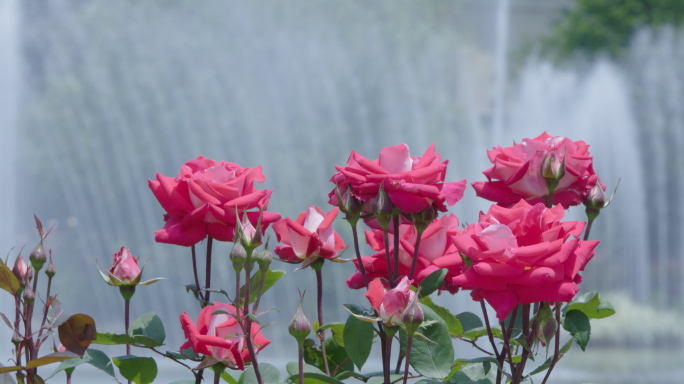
x: 97, y: 96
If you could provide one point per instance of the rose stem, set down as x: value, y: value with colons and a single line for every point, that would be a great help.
x: 247, y: 319
x: 526, y: 337
x: 319, y: 281
x: 300, y: 357
x: 557, y: 341
x: 419, y: 234
x: 388, y: 353
x: 261, y: 292
x: 127, y: 312
x: 408, y: 356
x: 383, y: 343
x: 586, y: 231
x: 194, y: 269
x: 217, y: 378
x: 362, y: 268
x: 68, y: 374
x: 208, y: 285
x: 395, y: 223
x: 400, y: 358
x: 491, y: 340
x: 507, y: 338
x: 387, y: 256
x: 47, y: 306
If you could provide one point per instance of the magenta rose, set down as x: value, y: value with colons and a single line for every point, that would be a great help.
x: 204, y: 199
x: 125, y: 267
x: 220, y: 336
x: 412, y: 183
x: 522, y: 255
x: 516, y: 173
x: 436, y: 251
x: 390, y: 304
x: 310, y: 235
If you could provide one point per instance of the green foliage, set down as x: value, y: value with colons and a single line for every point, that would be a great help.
x: 269, y: 375
x: 592, y: 305
x: 149, y: 326
x: 577, y: 323
x: 432, y: 359
x: 97, y: 359
x: 140, y: 370
x: 272, y: 276
x: 358, y: 340
x: 455, y: 327
x: 432, y: 282
x: 607, y: 26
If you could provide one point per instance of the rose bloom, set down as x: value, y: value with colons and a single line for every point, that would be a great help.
x: 436, y: 251
x: 522, y: 255
x: 390, y: 304
x: 204, y: 199
x: 412, y: 183
x: 220, y: 336
x: 516, y: 173
x: 125, y: 267
x: 311, y: 234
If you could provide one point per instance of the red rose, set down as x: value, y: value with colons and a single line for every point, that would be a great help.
x: 412, y: 183
x: 522, y: 255
x: 436, y: 251
x: 311, y: 234
x: 220, y: 336
x: 204, y: 198
x: 517, y: 172
x: 391, y: 304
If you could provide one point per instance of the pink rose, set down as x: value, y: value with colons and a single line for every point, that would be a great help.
x: 390, y: 304
x: 125, y: 267
x: 522, y: 255
x: 412, y: 183
x: 204, y: 199
x: 220, y: 336
x: 311, y: 234
x: 517, y: 172
x: 436, y: 251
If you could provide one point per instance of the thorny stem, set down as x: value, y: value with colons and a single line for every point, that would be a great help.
x: 248, y: 320
x: 208, y: 271
x: 387, y: 256
x: 507, y: 346
x: 319, y: 281
x: 217, y: 378
x: 395, y: 223
x: 127, y: 312
x: 419, y: 234
x: 68, y: 377
x: 557, y: 341
x: 408, y: 356
x: 383, y: 346
x: 362, y: 268
x: 491, y: 340
x: 400, y: 358
x: 526, y: 337
x: 194, y: 269
x: 388, y: 355
x: 45, y: 313
x: 300, y: 358
x: 334, y: 372
x: 172, y: 359
x: 588, y: 229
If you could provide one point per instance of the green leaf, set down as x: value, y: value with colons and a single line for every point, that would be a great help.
x: 51, y: 358
x: 148, y: 326
x: 486, y: 361
x: 8, y: 281
x: 592, y: 305
x: 474, y: 373
x: 293, y: 368
x: 548, y: 361
x: 77, y: 333
x: 362, y: 314
x: 337, y: 331
x: 337, y: 356
x: 272, y: 276
x: 269, y: 375
x: 381, y: 379
x: 226, y: 376
x: 455, y: 327
x: 469, y: 321
x: 358, y: 340
x: 97, y: 359
x: 432, y: 282
x: 476, y: 333
x: 113, y: 339
x: 140, y: 370
x: 431, y: 359
x: 313, y: 378
x: 577, y: 323
x: 11, y: 369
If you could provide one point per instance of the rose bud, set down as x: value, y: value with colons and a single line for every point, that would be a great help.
x: 250, y: 237
x: 28, y: 294
x: 413, y: 316
x: 423, y: 218
x: 238, y: 256
x: 125, y: 267
x: 595, y: 201
x: 50, y: 270
x: 16, y: 339
x: 349, y: 204
x: 29, y: 274
x: 544, y: 325
x: 264, y: 259
x: 552, y: 170
x: 38, y: 257
x: 20, y: 269
x: 299, y: 325
x: 382, y: 208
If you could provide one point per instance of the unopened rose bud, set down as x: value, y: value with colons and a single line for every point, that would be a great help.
x: 125, y: 267
x: 299, y: 326
x: 38, y: 257
x: 20, y: 269
x: 382, y: 208
x: 28, y: 294
x: 349, y: 204
x: 413, y: 316
x: 50, y: 270
x: 595, y: 201
x: 29, y: 273
x: 264, y: 259
x: 249, y: 236
x: 544, y: 325
x: 238, y: 256
x: 552, y: 170
x: 16, y: 339
x: 423, y: 218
